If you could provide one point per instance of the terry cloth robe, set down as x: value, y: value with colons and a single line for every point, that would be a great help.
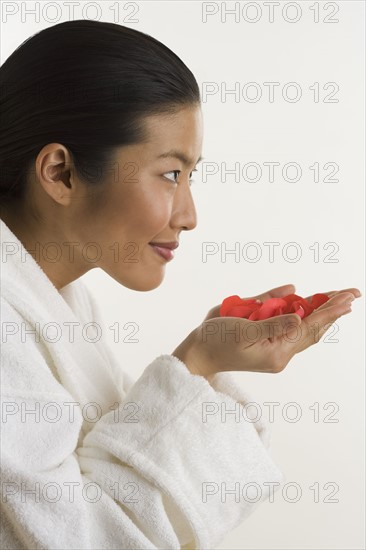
x: 92, y: 459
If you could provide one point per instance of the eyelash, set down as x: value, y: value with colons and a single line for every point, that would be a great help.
x: 178, y: 172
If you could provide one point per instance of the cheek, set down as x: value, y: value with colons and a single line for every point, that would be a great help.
x: 137, y: 212
x: 149, y: 212
x: 158, y: 213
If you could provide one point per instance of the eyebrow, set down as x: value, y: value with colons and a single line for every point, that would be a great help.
x: 174, y: 153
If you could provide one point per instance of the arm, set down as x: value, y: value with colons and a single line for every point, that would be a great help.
x: 151, y: 473
x: 223, y: 382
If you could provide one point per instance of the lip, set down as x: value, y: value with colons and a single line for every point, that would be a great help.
x: 172, y: 245
x: 165, y: 250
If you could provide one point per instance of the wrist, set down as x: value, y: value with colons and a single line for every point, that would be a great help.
x: 190, y: 353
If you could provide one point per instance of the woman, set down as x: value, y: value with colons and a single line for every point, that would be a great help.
x: 101, y: 130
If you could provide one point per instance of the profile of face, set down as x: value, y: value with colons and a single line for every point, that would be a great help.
x: 145, y: 199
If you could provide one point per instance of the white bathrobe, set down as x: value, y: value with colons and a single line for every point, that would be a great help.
x: 92, y: 459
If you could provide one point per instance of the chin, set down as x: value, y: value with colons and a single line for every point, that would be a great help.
x: 144, y: 283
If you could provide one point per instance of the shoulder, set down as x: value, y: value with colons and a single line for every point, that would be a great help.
x: 25, y: 364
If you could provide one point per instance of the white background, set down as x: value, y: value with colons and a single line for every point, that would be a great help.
x: 305, y: 212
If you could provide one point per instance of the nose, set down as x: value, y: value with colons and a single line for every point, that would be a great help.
x: 184, y: 215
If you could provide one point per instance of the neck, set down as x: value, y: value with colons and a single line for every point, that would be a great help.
x: 46, y: 247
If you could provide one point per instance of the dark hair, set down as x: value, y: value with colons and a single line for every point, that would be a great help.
x: 87, y: 85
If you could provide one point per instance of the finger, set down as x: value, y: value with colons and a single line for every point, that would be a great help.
x: 352, y: 290
x: 315, y: 325
x: 331, y: 293
x: 286, y: 324
x: 339, y: 298
x: 277, y: 292
x: 328, y: 317
x: 214, y: 312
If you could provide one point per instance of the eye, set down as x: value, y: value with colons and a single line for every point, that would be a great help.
x: 173, y: 172
x: 190, y: 175
x: 177, y: 172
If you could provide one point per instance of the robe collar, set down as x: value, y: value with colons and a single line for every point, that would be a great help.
x: 77, y: 363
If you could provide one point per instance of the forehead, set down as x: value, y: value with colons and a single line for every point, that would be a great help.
x: 181, y: 132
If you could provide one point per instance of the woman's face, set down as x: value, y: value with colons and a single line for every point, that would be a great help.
x: 144, y: 200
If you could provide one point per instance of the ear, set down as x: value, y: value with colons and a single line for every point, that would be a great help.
x: 54, y: 171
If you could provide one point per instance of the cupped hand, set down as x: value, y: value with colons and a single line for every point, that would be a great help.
x: 276, y: 351
x: 227, y: 343
x: 279, y: 292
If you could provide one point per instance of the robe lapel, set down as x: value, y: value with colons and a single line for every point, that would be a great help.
x: 76, y: 362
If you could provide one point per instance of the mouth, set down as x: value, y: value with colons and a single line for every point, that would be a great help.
x: 165, y: 250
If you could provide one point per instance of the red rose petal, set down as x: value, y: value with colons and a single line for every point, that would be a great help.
x: 232, y: 301
x: 229, y: 302
x: 291, y: 297
x: 242, y: 311
x: 308, y: 308
x: 269, y: 308
x: 300, y: 312
x: 293, y: 303
x: 255, y: 310
x: 318, y: 300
